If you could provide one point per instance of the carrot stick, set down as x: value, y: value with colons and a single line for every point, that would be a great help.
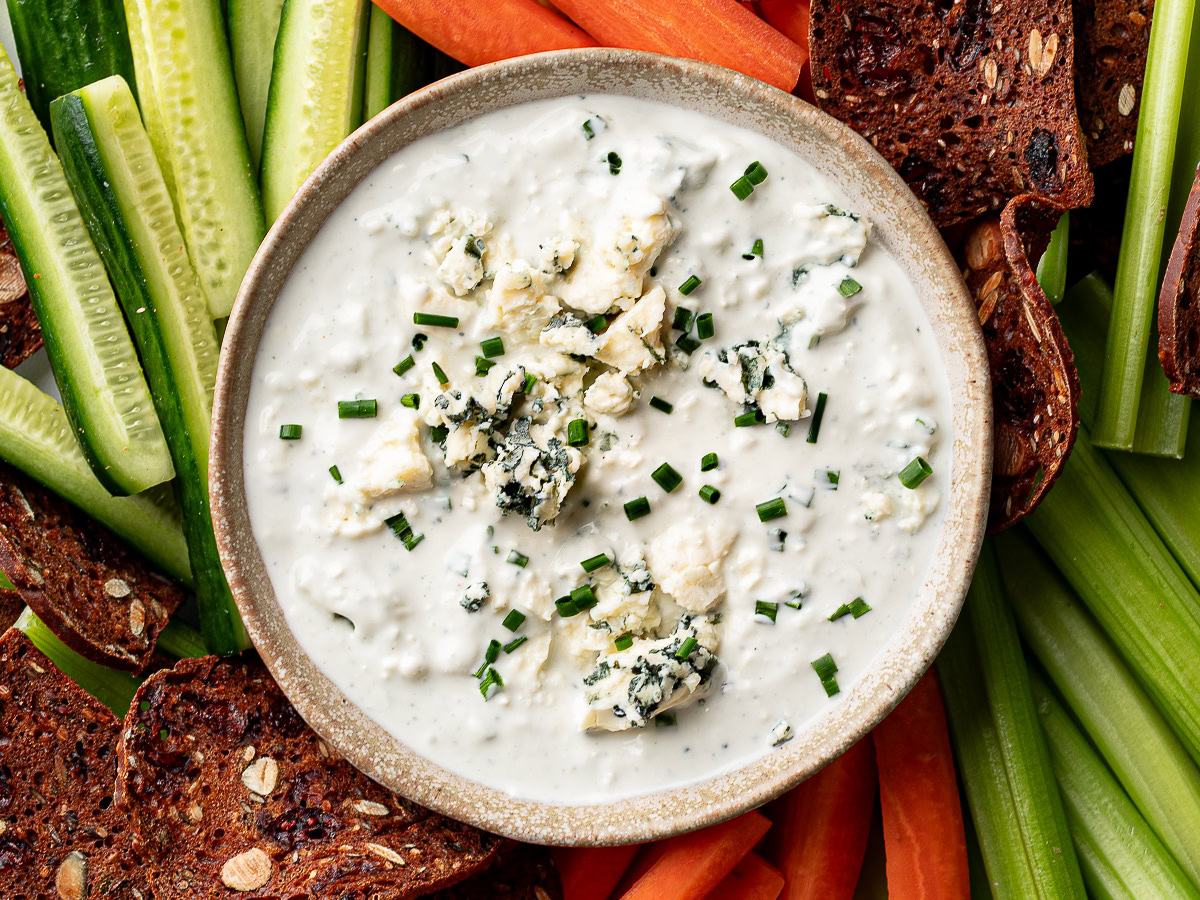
x: 789, y: 17
x: 752, y: 879
x: 717, y: 31
x: 922, y: 814
x: 693, y: 864
x: 821, y: 831
x: 478, y: 33
x: 591, y: 873
x: 646, y: 857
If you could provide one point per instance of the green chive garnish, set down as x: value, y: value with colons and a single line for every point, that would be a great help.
x: 771, y: 509
x: 624, y: 642
x: 689, y: 285
x: 493, y: 679
x: 683, y: 319
x: 584, y: 597
x: 336, y: 473
x: 709, y: 494
x: 859, y: 607
x: 513, y: 620
x: 755, y: 173
x: 482, y: 365
x: 592, y: 563
x: 687, y: 344
x: 420, y: 318
x: 515, y: 643
x: 566, y: 607
x: 849, y: 287
x: 668, y: 479
x: 914, y: 473
x: 517, y: 558
x: 708, y: 462
x: 756, y: 250
x: 662, y: 405
x: 530, y: 381
x: 750, y: 417
x: 686, y: 648
x: 704, y: 326
x: 291, y: 432
x: 438, y: 433
x: 588, y: 131
x: 814, y: 427
x: 412, y: 401
x: 357, y: 409
x: 635, y: 509
x: 596, y: 324
x: 404, y: 365
x: 614, y: 164
x: 578, y: 433
x: 784, y: 428
x: 826, y: 669
x: 493, y: 346
x: 742, y: 188
x: 418, y: 341
x: 440, y: 374
x: 400, y: 527
x: 828, y: 478
x: 764, y: 608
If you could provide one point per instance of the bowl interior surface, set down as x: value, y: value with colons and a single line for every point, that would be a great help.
x: 901, y: 227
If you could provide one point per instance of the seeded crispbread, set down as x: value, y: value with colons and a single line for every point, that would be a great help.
x: 1179, y: 303
x: 60, y: 834
x: 231, y: 794
x: 1035, y: 387
x: 101, y: 599
x: 1110, y: 59
x: 973, y: 103
x: 11, y: 605
x: 20, y: 333
x: 520, y: 872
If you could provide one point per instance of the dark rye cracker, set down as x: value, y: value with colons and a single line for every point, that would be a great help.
x: 1179, y: 303
x: 101, y: 599
x: 520, y: 872
x: 1035, y: 388
x: 61, y: 836
x: 20, y: 333
x: 1113, y: 37
x: 973, y: 102
x: 232, y: 795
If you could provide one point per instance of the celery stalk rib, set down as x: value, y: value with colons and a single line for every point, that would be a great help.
x: 1142, y: 238
x: 181, y: 641
x: 1132, y: 736
x: 1052, y: 267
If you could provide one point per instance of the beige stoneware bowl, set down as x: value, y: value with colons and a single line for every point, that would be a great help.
x: 901, y: 227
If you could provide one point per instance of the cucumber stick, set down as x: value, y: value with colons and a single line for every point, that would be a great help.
x: 253, y: 26
x: 113, y: 172
x: 66, y: 44
x: 190, y: 107
x: 94, y: 362
x: 316, y: 92
x: 36, y: 437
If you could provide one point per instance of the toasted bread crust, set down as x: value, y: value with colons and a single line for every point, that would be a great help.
x: 520, y: 872
x: 1179, y: 303
x: 20, y: 333
x: 1110, y: 60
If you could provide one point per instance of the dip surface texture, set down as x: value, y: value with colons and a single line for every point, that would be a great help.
x: 560, y: 515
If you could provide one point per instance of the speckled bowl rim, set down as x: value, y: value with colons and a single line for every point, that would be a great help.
x: 901, y: 226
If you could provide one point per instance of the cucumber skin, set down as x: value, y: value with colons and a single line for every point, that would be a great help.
x: 66, y: 44
x: 253, y: 26
x: 84, y: 163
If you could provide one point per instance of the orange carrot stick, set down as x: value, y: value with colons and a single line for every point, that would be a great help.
x: 646, y: 857
x: 922, y: 816
x: 591, y: 873
x: 478, y: 33
x: 789, y: 17
x: 752, y: 879
x: 693, y: 864
x: 821, y: 831
x: 717, y: 31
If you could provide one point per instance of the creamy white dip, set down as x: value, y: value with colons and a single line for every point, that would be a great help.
x: 524, y: 225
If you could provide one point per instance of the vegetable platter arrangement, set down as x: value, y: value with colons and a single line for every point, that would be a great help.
x: 1052, y: 751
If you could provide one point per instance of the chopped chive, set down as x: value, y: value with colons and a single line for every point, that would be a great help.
x: 624, y: 642
x: 755, y: 251
x: 755, y: 173
x: 530, y: 381
x: 859, y: 607
x: 400, y: 527
x: 814, y: 342
x: 614, y: 163
x: 814, y: 427
x: 438, y: 433
x: 687, y: 344
x: 404, y: 365
x: 750, y: 417
x: 336, y: 473
x: 592, y: 563
x: 668, y: 479
x: 588, y: 131
x: 482, y: 365
x: 412, y: 401
x: 517, y: 558
x: 493, y: 679
x: 566, y: 607
x: 584, y: 597
x: 662, y: 405
x: 686, y: 648
x: 825, y: 667
x: 492, y: 653
x: 290, y: 432
x: 418, y: 341
x: 704, y: 326
x: 596, y: 324
x: 578, y: 432
x: 914, y: 473
x: 683, y: 319
x: 411, y: 543
x: 690, y: 284
x: 708, y: 462
x: 515, y: 643
x: 493, y: 346
x: 420, y: 318
x: 827, y: 478
x: 513, y: 620
x: 635, y: 509
x: 357, y: 409
x: 767, y: 609
x: 771, y: 509
x: 742, y: 188
x: 709, y: 494
x: 784, y: 428
x: 849, y: 287
x: 440, y: 374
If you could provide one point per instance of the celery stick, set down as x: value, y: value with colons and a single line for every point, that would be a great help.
x: 1142, y: 238
x: 112, y: 688
x: 1132, y: 736
x: 1119, y: 854
x: 1052, y: 267
x: 181, y: 641
x: 1162, y: 415
x: 380, y: 43
x: 1093, y: 530
x: 1001, y: 751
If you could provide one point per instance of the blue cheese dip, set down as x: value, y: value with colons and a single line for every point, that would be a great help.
x: 598, y: 455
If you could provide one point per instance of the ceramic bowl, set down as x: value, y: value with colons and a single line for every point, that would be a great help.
x: 901, y: 227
